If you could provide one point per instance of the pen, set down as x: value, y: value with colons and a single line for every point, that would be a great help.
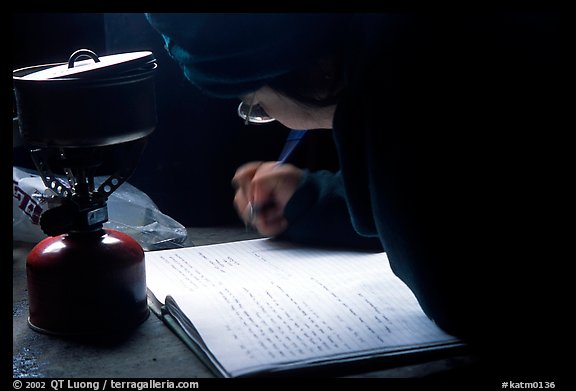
x: 292, y: 141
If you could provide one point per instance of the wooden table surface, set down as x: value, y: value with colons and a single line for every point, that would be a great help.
x: 151, y: 350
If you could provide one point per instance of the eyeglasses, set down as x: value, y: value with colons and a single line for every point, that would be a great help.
x: 253, y: 113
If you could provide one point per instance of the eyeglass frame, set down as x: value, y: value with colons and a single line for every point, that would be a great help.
x: 249, y: 118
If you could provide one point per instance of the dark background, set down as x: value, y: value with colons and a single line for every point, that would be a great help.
x: 199, y: 142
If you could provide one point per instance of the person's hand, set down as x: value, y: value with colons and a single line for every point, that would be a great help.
x: 262, y: 191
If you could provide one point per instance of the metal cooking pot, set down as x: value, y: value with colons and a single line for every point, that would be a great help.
x: 87, y: 103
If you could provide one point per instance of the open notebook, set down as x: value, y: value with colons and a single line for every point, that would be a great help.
x: 262, y: 306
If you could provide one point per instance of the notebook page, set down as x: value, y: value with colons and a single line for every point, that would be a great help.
x: 261, y: 303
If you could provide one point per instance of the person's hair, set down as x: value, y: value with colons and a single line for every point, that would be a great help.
x: 317, y: 85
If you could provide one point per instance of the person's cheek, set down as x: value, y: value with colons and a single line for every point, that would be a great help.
x: 288, y: 116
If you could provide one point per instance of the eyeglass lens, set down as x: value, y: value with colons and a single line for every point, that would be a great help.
x: 253, y: 114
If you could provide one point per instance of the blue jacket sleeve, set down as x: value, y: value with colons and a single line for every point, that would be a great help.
x: 318, y: 214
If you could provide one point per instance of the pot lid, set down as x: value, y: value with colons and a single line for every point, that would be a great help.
x: 94, y: 66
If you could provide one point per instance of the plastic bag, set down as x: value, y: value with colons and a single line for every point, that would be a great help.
x: 129, y: 210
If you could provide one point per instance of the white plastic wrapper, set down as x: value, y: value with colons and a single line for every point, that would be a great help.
x: 129, y: 210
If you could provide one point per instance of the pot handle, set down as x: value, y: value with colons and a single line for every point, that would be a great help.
x: 82, y: 53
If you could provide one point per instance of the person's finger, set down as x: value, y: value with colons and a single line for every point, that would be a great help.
x: 269, y: 225
x: 240, y: 204
x: 242, y: 182
x: 244, y: 174
x: 265, y: 184
x: 262, y: 191
x: 273, y: 183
